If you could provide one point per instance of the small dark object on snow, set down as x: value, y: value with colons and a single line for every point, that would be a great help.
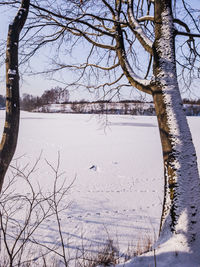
x: 93, y: 167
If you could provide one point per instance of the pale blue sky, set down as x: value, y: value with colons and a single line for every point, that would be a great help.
x: 37, y: 84
x: 31, y: 85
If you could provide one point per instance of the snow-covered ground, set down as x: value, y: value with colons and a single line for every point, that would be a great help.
x: 117, y: 165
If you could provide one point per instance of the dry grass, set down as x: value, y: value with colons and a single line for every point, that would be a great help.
x: 110, y: 255
x: 144, y: 244
x: 105, y: 256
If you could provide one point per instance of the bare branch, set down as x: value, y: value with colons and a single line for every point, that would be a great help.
x: 190, y: 14
x: 137, y: 29
x: 189, y: 34
x: 141, y: 84
x: 146, y: 18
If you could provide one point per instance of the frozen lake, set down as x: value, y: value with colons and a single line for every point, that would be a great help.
x: 116, y: 162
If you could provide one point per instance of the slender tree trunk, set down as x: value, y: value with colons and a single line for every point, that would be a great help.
x: 181, y: 207
x: 10, y: 134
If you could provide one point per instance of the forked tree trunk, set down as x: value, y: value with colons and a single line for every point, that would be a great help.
x: 10, y: 134
x: 181, y: 207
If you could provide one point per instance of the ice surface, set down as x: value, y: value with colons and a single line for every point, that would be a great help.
x: 122, y: 199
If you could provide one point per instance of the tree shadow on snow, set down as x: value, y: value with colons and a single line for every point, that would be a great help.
x: 173, y: 258
x: 134, y: 124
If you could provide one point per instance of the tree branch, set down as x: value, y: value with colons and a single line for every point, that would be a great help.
x: 137, y: 29
x: 146, y: 18
x: 141, y: 84
x: 189, y: 34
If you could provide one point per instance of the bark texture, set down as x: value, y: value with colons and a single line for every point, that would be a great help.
x: 181, y: 204
x: 11, y: 127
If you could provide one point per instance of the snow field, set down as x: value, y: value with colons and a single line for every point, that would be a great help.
x: 116, y: 162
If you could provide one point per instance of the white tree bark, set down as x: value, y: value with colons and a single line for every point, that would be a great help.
x: 181, y: 207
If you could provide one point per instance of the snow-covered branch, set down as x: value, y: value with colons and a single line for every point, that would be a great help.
x: 137, y: 29
x: 146, y: 18
x: 143, y: 85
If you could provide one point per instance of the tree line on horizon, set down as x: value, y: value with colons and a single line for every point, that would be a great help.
x: 56, y: 95
x: 29, y: 102
x: 59, y: 95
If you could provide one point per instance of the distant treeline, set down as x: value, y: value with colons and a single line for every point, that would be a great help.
x: 103, y: 101
x: 59, y: 95
x: 56, y: 95
x: 191, y: 102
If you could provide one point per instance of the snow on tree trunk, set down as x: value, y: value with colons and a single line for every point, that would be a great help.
x: 181, y: 206
x: 11, y: 127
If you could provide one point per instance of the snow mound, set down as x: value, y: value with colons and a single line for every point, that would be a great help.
x: 174, y: 252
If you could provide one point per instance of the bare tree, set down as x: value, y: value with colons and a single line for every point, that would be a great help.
x: 115, y: 32
x: 55, y: 95
x: 10, y: 134
x: 23, y: 217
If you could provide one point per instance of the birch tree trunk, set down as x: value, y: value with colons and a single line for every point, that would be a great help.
x: 11, y: 127
x: 181, y: 206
